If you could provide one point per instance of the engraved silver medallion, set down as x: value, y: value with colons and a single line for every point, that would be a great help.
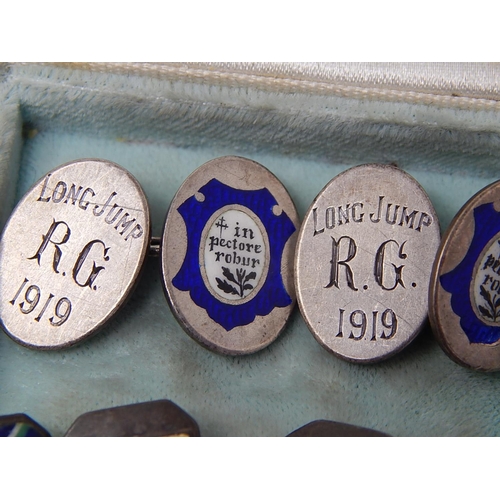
x: 464, y: 295
x: 71, y: 253
x: 363, y: 262
x: 227, y: 255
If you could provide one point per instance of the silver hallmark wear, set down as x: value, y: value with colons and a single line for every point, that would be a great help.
x: 464, y: 295
x: 363, y: 262
x: 227, y: 255
x: 71, y: 253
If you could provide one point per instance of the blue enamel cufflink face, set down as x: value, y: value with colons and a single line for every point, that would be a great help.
x: 227, y: 255
x: 464, y: 299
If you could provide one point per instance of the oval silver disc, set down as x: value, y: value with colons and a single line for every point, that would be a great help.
x: 71, y: 252
x: 363, y: 262
x: 464, y: 295
x: 227, y: 255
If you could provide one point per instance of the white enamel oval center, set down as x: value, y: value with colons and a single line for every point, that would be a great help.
x: 486, y: 284
x: 234, y: 255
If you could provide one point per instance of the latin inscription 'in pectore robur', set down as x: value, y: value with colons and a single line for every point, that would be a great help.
x: 234, y: 255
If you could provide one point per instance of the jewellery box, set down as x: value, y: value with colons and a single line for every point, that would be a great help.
x: 306, y: 122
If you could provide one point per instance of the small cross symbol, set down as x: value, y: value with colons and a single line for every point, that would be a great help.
x: 220, y: 224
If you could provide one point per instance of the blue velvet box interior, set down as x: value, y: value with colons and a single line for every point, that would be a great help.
x: 161, y: 130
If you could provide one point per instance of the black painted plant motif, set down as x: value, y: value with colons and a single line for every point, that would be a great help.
x: 492, y: 309
x: 241, y: 281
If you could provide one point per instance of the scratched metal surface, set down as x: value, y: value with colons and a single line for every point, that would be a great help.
x: 143, y: 354
x: 57, y: 302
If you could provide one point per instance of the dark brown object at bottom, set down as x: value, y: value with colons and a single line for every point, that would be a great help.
x: 152, y: 419
x: 327, y: 428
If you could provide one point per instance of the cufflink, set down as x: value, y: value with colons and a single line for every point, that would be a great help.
x: 363, y: 262
x: 161, y: 418
x: 71, y: 253
x: 464, y: 293
x: 328, y: 428
x: 20, y: 425
x: 227, y: 255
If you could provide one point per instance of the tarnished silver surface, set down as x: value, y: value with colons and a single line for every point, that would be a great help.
x: 363, y: 262
x: 227, y: 255
x: 464, y: 294
x: 71, y: 252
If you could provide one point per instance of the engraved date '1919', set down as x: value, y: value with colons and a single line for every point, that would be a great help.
x: 358, y: 319
x: 30, y: 301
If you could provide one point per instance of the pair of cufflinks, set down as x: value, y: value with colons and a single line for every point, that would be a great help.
x: 74, y: 247
x: 234, y: 257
